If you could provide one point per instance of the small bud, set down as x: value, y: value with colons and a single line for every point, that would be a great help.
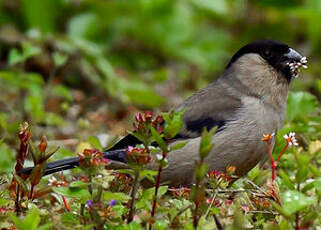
x: 230, y: 170
x: 148, y: 115
x: 43, y: 144
x: 267, y: 137
x: 228, y: 202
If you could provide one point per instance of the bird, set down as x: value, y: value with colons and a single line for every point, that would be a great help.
x: 245, y: 102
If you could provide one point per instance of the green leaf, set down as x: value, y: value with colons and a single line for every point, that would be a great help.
x: 149, y: 174
x: 206, y: 142
x: 46, y: 226
x: 310, y: 217
x: 200, y: 171
x: 51, y: 151
x: 121, y: 197
x: 161, y: 225
x: 161, y: 191
x: 15, y: 57
x: 308, y: 187
x: 80, y: 193
x: 34, y: 105
x: 94, y: 141
x: 62, y: 91
x: 59, y: 59
x: 294, y: 201
x: 119, y: 210
x: 3, y: 120
x: 302, y: 173
x: 173, y: 123
x: 30, y: 222
x: 162, y: 144
x: 286, y: 180
x: 8, y: 159
x: 83, y: 25
x: 21, y: 182
x: 284, y: 225
x: 300, y: 104
x: 27, y: 51
x: 148, y: 194
x: 143, y: 96
x: 53, y: 119
x: 316, y: 172
x: 41, y: 14
x: 317, y: 186
x: 35, y: 153
x: 217, y: 7
x: 69, y: 219
x: 78, y: 184
x: 178, y: 145
x: 278, y: 208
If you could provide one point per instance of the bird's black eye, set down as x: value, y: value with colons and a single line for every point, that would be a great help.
x: 267, y: 54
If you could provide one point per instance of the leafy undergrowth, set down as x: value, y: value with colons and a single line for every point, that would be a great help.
x: 94, y: 197
x: 78, y: 72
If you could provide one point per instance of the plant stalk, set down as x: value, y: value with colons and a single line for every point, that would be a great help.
x: 157, y: 184
x: 133, y: 195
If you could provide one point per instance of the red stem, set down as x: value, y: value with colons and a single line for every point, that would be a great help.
x: 66, y: 204
x: 283, y: 151
x: 157, y: 184
x: 272, y: 161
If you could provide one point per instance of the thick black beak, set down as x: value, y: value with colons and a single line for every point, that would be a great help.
x: 293, y: 56
x: 291, y: 64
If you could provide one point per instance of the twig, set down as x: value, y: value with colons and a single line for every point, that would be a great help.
x: 17, y: 206
x: 217, y: 222
x: 90, y: 188
x: 133, y: 195
x: 66, y: 204
x: 31, y: 191
x: 180, y: 212
x: 213, y: 198
x: 157, y: 184
x: 82, y: 210
x: 233, y: 191
x: 263, y: 212
x: 257, y: 187
x: 211, y: 204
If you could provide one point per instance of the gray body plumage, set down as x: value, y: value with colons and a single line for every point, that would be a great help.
x: 249, y: 113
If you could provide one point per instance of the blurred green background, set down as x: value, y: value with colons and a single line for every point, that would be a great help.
x: 77, y: 68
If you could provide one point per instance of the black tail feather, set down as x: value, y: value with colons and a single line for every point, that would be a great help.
x: 55, y: 166
x: 73, y: 162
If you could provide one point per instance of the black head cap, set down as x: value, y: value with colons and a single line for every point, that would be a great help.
x: 274, y: 52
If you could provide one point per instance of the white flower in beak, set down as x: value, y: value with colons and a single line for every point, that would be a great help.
x: 295, y: 66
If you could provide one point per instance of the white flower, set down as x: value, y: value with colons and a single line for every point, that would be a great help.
x: 52, y: 179
x: 290, y: 139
